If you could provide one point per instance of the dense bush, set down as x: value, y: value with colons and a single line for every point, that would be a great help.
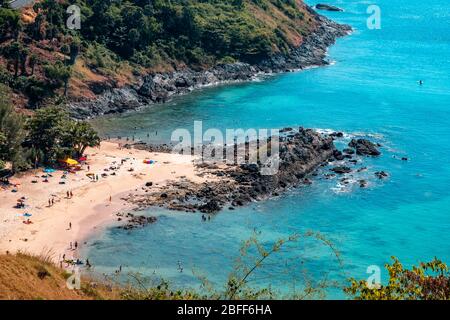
x: 428, y: 281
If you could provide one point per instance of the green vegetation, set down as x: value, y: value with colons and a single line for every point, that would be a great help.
x: 35, y: 277
x: 428, y: 281
x: 255, y: 264
x: 44, y: 138
x: 11, y: 131
x: 41, y: 52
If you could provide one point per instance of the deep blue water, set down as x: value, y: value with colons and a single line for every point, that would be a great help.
x: 371, y: 90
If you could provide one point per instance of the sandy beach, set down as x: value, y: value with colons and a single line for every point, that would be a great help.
x: 94, y: 205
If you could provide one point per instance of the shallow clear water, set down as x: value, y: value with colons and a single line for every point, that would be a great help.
x: 371, y: 90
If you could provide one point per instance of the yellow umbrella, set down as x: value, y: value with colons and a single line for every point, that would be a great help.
x: 71, y: 162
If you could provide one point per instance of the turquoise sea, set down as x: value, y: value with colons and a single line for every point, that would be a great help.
x: 371, y: 90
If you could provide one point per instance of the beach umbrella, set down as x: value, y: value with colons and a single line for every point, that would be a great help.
x: 71, y: 162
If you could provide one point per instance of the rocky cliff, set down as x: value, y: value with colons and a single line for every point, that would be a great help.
x: 160, y: 87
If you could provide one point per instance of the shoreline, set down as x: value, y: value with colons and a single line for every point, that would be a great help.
x: 90, y: 210
x: 159, y: 88
x: 176, y: 182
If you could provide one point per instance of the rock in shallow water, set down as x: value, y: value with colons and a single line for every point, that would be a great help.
x: 341, y: 170
x: 327, y: 7
x: 364, y: 147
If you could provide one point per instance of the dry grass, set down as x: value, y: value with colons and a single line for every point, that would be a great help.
x: 292, y: 28
x: 26, y: 277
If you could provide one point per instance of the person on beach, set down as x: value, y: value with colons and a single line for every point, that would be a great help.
x: 71, y: 247
x: 76, y: 245
x: 49, y: 203
x: 70, y: 225
x: 67, y: 193
x: 71, y: 194
x: 110, y: 199
x: 53, y: 201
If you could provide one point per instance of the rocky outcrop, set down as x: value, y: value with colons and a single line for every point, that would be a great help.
x: 364, y: 147
x: 160, y: 87
x: 135, y: 222
x: 327, y: 7
x: 301, y: 152
x: 303, y: 155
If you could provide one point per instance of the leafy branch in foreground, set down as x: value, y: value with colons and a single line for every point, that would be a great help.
x: 428, y: 281
x: 258, y: 263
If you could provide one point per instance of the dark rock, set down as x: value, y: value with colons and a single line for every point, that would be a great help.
x: 348, y: 151
x: 341, y: 170
x: 210, y: 207
x: 327, y: 7
x: 381, y: 175
x: 137, y: 222
x: 338, y: 155
x: 337, y: 134
x: 364, y: 147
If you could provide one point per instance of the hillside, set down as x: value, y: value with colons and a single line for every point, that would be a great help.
x: 121, y: 41
x: 23, y: 277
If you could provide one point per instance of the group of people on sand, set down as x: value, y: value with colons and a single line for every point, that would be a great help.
x: 73, y: 246
x: 51, y: 202
x: 73, y: 262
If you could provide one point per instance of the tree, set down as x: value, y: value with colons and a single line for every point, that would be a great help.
x: 32, y: 62
x: 9, y: 23
x: 56, y: 136
x: 81, y: 135
x: 13, y: 52
x: 11, y: 130
x: 23, y: 57
x: 58, y: 74
x: 74, y: 50
x: 45, y: 133
x: 428, y: 281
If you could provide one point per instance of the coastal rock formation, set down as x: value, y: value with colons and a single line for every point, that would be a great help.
x: 327, y: 7
x: 135, y: 222
x: 301, y: 152
x: 364, y: 147
x: 160, y: 87
x: 341, y: 170
x: 381, y: 175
